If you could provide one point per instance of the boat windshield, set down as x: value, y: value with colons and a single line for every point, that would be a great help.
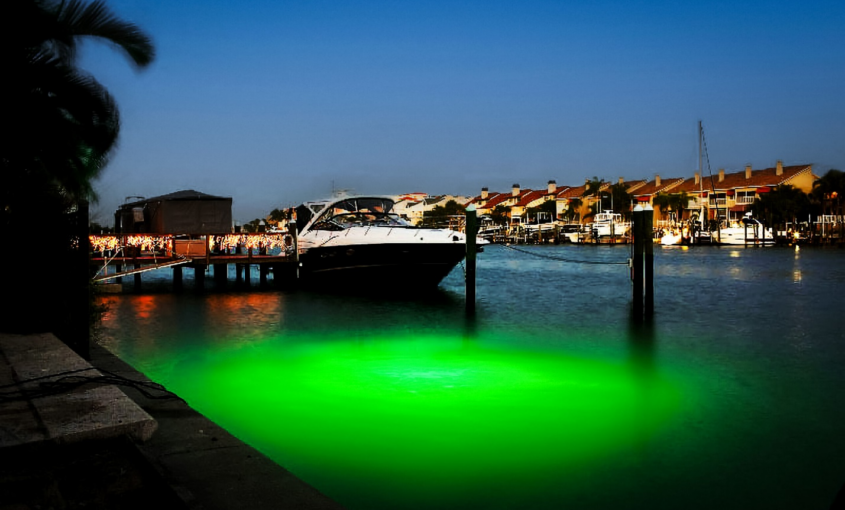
x: 359, y: 212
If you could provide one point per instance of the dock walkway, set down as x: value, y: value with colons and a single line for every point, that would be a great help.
x: 105, y: 448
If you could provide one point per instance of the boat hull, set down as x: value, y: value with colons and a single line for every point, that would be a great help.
x: 395, y: 265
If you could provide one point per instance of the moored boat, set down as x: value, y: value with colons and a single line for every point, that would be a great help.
x: 359, y: 240
x: 748, y: 231
x: 609, y: 223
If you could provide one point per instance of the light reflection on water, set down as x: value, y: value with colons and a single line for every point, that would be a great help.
x: 551, y: 398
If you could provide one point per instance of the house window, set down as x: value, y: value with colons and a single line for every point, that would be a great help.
x: 717, y: 199
x: 744, y: 197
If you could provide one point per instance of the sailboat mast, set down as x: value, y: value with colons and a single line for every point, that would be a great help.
x: 700, y: 180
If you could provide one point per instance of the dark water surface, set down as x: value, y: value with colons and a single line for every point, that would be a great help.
x: 550, y: 399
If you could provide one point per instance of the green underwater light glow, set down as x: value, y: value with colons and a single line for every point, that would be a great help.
x: 426, y: 422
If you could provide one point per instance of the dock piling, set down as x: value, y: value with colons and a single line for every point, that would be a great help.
x: 643, y: 263
x: 637, y: 269
x: 471, y: 235
x: 648, y: 273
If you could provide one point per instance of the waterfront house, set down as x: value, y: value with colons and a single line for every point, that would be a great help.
x: 645, y: 195
x: 181, y: 212
x: 487, y: 202
x: 728, y: 196
x: 571, y: 203
x: 413, y: 208
x: 731, y: 195
x: 531, y: 199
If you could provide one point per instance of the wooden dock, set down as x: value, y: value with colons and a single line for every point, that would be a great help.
x: 117, y: 256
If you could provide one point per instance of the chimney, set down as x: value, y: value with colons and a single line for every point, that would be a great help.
x: 721, y: 174
x: 747, y: 172
x: 657, y: 181
x: 621, y: 180
x: 484, y: 193
x: 552, y: 187
x: 779, y: 170
x: 515, y: 190
x: 697, y: 178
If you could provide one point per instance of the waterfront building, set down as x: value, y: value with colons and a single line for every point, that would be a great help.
x: 645, y: 195
x: 728, y: 196
x: 533, y: 198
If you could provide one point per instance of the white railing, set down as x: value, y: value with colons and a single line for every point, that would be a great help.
x: 828, y: 219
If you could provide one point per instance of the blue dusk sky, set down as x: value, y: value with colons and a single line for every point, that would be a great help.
x: 276, y: 102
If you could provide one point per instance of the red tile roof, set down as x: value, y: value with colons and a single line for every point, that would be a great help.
x: 576, y: 192
x: 690, y: 186
x: 765, y: 177
x: 733, y: 180
x: 531, y: 196
x: 651, y: 187
x: 478, y: 199
x: 631, y: 186
x: 498, y: 200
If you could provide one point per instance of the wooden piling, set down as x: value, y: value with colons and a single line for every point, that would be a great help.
x: 177, y: 277
x: 221, y: 273
x: 292, y: 231
x: 199, y: 276
x: 639, y: 248
x: 80, y: 329
x: 471, y: 236
x: 648, y: 273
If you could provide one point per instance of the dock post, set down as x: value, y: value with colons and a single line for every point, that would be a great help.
x: 177, y: 277
x: 471, y: 234
x: 639, y: 246
x: 262, y: 275
x: 294, y: 244
x: 137, y: 277
x: 199, y: 276
x: 648, y: 240
x: 119, y: 267
x: 79, y: 334
x: 221, y: 273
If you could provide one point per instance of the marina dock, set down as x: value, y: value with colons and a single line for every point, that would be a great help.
x: 114, y: 257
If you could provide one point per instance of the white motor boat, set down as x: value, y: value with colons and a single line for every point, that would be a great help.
x: 609, y: 223
x: 674, y: 236
x: 358, y: 239
x: 748, y: 232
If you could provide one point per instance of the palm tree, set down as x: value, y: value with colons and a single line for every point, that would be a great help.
x: 500, y: 215
x: 621, y: 200
x: 573, y: 210
x: 675, y: 202
x: 593, y: 189
x: 828, y: 191
x: 782, y: 205
x: 61, y: 123
x: 663, y: 201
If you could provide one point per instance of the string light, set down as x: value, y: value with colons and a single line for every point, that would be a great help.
x: 103, y: 243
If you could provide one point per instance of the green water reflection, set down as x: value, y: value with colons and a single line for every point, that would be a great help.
x: 551, y: 400
x: 430, y: 420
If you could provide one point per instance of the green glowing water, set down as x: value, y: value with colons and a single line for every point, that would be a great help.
x: 551, y: 400
x: 426, y: 419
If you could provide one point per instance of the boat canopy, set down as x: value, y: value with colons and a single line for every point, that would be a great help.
x: 353, y: 212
